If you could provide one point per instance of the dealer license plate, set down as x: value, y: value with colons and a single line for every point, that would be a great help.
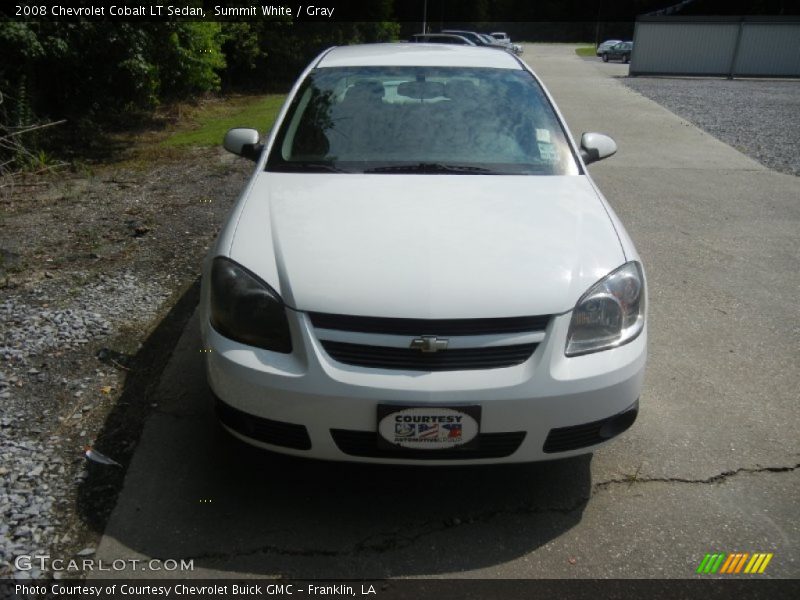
x: 428, y: 427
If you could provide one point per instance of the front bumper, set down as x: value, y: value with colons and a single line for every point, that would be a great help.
x: 307, y: 404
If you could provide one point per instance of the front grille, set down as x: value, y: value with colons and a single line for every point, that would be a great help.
x: 459, y: 359
x: 562, y: 439
x: 365, y: 443
x: 440, y: 327
x: 277, y: 433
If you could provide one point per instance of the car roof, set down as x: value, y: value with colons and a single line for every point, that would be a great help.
x: 417, y: 55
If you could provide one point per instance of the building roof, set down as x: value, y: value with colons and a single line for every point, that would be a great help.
x: 418, y: 55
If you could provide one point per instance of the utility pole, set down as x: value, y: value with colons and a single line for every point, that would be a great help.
x: 597, y: 26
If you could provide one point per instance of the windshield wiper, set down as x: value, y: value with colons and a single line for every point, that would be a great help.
x: 424, y: 167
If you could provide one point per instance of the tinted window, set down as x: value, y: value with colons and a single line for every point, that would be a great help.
x: 420, y: 119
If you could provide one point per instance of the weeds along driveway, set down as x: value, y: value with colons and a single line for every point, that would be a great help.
x: 711, y: 465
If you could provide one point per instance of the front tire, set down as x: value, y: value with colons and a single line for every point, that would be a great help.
x: 626, y: 59
x: 605, y: 57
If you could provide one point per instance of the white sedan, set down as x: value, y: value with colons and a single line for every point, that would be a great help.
x: 421, y: 270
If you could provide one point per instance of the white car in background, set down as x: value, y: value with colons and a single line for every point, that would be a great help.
x: 421, y: 270
x: 502, y: 37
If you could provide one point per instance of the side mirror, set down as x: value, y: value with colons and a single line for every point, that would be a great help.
x: 596, y: 146
x: 243, y: 142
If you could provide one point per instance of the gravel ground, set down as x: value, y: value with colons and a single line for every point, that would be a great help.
x: 759, y: 118
x: 89, y: 263
x: 42, y: 410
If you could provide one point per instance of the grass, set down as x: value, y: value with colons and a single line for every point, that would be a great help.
x: 585, y: 50
x: 206, y: 124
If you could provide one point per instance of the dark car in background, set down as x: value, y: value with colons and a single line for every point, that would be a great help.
x: 621, y: 51
x: 607, y: 45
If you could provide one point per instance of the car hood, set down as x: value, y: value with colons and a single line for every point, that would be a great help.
x: 426, y: 246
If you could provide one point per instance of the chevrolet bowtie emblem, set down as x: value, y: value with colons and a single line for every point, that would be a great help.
x: 428, y: 343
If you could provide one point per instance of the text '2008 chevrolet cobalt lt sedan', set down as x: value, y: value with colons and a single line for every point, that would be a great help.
x: 421, y: 270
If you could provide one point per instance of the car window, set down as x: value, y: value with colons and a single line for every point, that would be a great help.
x: 421, y: 119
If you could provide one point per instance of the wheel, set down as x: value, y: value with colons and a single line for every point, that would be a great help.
x: 605, y: 56
x: 626, y: 59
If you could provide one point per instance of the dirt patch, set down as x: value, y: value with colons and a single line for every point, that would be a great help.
x: 99, y: 273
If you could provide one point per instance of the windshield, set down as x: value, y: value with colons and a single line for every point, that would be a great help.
x: 424, y: 120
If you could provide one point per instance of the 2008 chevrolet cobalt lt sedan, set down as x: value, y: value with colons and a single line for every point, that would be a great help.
x: 421, y: 270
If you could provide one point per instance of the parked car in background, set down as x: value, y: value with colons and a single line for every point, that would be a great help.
x: 606, y: 46
x: 473, y: 36
x: 422, y: 271
x: 621, y: 51
x: 515, y: 48
x: 491, y: 41
x: 440, y: 38
x: 501, y: 36
x: 484, y: 39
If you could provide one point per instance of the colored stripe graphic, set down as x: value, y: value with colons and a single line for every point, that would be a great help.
x: 745, y: 556
x: 727, y: 564
x: 758, y: 563
x: 703, y: 563
x: 740, y: 563
x: 734, y: 563
x: 717, y: 563
x: 764, y: 564
x: 755, y: 562
x: 711, y: 563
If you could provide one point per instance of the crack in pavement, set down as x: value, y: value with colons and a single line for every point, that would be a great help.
x: 379, y: 543
x: 720, y: 477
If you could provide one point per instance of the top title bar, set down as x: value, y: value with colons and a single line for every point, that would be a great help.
x: 451, y: 11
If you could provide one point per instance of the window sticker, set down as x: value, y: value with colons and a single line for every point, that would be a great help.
x: 548, y: 152
x: 543, y: 135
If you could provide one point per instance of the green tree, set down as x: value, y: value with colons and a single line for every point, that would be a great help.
x: 187, y: 56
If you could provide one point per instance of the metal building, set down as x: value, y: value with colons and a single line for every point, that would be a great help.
x: 716, y: 46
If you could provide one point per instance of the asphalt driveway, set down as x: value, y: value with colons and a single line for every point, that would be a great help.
x: 711, y: 465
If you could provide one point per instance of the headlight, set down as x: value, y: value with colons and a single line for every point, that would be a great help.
x: 610, y: 314
x: 245, y: 309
